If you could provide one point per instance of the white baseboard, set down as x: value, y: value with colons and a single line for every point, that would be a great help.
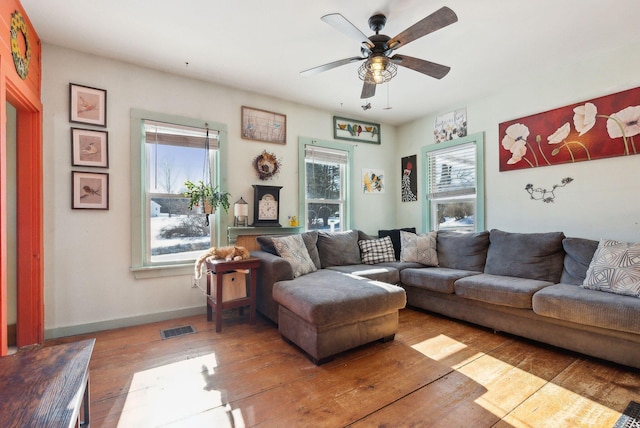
x: 55, y: 333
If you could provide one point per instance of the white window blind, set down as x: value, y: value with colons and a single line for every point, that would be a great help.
x: 452, y: 172
x: 179, y: 135
x: 326, y: 155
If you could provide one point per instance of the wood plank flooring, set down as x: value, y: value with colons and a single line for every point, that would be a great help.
x: 437, y: 372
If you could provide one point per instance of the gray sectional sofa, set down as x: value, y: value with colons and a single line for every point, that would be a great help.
x: 526, y: 284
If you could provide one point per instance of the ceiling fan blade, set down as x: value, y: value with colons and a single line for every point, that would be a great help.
x: 437, y: 20
x: 343, y: 25
x: 368, y: 90
x: 329, y: 66
x: 421, y: 66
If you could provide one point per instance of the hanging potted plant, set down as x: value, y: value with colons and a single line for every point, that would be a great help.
x: 208, y: 197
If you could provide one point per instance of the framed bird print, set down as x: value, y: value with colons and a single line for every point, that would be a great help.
x: 90, y: 190
x: 87, y: 105
x: 356, y: 130
x: 89, y: 148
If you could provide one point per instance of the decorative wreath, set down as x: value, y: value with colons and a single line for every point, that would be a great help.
x: 20, y: 61
x: 267, y: 165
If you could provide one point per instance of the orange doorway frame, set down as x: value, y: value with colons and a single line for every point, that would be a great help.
x: 24, y: 95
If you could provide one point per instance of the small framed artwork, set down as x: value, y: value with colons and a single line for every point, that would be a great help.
x: 87, y: 105
x: 262, y: 125
x: 356, y: 130
x: 89, y: 148
x: 90, y: 190
x: 372, y: 180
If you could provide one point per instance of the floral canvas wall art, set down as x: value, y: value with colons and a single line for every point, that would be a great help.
x: 595, y: 129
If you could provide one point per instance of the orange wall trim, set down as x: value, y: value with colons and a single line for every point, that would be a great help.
x: 24, y: 95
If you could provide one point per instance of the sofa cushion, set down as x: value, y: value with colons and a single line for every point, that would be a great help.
x: 579, y: 253
x: 378, y: 272
x: 588, y: 307
x: 394, y: 234
x: 338, y: 248
x: 310, y: 239
x: 328, y: 297
x: 615, y: 268
x: 374, y: 251
x: 526, y: 255
x: 465, y: 251
x: 500, y: 290
x: 435, y: 279
x: 292, y: 249
x: 419, y: 248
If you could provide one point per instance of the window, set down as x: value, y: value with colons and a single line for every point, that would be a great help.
x: 325, y: 194
x: 455, y: 185
x: 167, y: 151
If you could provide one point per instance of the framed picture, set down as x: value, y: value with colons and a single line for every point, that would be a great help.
x: 262, y: 125
x: 89, y: 148
x: 90, y: 190
x: 409, y: 178
x: 87, y: 105
x: 356, y: 130
x: 372, y: 180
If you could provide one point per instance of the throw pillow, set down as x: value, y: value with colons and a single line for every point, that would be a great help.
x: 310, y: 239
x: 394, y: 234
x: 339, y: 248
x: 375, y: 251
x: 526, y: 255
x: 419, y: 248
x: 615, y: 268
x: 292, y: 249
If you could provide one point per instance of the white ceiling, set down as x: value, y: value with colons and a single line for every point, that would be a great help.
x: 262, y: 46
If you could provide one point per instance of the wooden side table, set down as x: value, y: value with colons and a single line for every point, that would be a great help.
x: 219, y: 268
x: 45, y: 387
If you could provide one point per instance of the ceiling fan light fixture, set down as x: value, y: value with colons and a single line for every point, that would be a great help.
x: 377, y: 69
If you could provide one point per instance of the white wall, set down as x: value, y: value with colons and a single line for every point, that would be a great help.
x: 88, y: 284
x: 601, y: 202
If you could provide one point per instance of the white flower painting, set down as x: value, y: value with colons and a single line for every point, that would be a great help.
x: 600, y: 128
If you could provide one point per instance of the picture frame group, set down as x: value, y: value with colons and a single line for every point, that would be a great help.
x: 89, y: 147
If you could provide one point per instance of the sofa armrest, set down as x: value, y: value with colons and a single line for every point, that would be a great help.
x: 272, y: 269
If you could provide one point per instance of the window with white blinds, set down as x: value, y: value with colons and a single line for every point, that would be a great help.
x: 452, y: 171
x: 454, y: 183
x: 325, y: 189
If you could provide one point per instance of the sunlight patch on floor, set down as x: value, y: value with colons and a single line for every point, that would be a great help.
x: 442, y: 347
x: 176, y: 394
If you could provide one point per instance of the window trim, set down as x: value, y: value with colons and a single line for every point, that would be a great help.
x: 427, y: 208
x: 348, y: 205
x: 139, y: 266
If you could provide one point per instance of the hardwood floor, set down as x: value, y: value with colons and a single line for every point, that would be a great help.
x: 437, y: 372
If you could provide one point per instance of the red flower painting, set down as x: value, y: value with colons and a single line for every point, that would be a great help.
x: 600, y: 128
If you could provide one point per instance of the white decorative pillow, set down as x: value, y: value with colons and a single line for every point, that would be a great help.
x: 615, y: 268
x: 292, y: 249
x: 374, y: 251
x: 419, y: 248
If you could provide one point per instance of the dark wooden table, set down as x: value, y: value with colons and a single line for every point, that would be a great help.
x: 219, y: 268
x: 45, y: 386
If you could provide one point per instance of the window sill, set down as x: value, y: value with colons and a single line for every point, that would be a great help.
x: 145, y: 272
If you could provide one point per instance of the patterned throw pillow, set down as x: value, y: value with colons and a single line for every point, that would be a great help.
x: 292, y: 249
x: 615, y: 268
x: 419, y: 248
x: 377, y: 251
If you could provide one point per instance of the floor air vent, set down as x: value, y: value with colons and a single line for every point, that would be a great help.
x: 178, y: 331
x: 630, y: 417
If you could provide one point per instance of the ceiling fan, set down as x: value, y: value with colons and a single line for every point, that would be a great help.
x: 379, y: 66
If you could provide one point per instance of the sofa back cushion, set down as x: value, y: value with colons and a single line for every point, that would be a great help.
x: 338, y: 248
x: 526, y: 255
x: 394, y: 234
x: 579, y: 253
x: 465, y: 251
x: 310, y: 240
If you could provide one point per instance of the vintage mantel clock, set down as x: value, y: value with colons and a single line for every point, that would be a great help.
x: 266, y: 205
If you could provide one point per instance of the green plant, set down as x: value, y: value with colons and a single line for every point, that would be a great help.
x: 211, y: 198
